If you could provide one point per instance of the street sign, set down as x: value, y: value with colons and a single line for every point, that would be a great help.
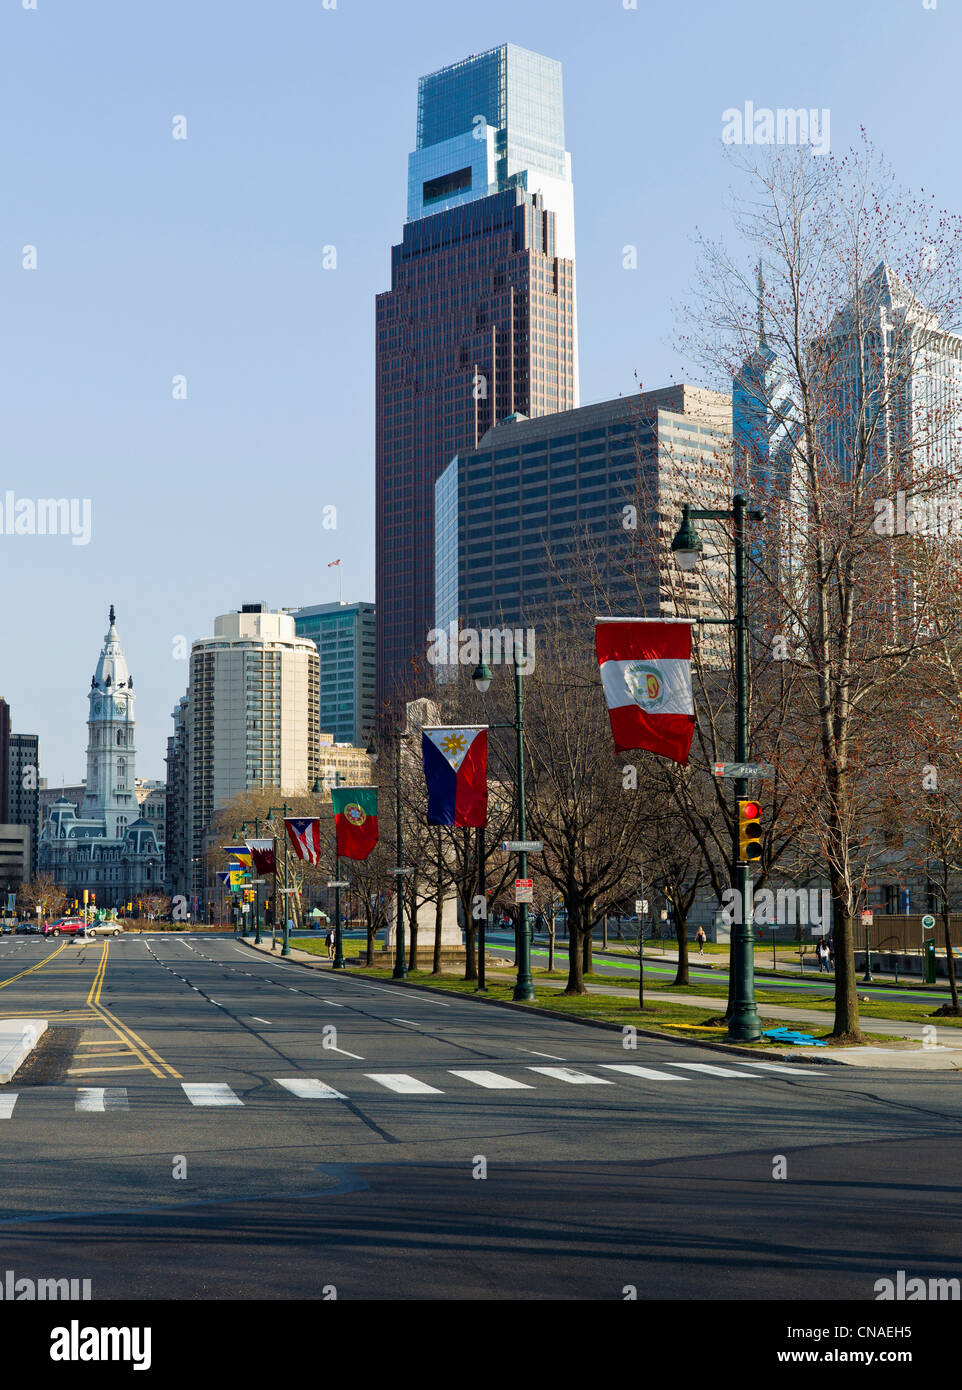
x: 766, y: 770
x: 338, y: 883
x: 928, y: 922
x: 516, y: 846
x: 641, y: 907
x: 524, y: 890
x: 400, y: 871
x: 867, y: 918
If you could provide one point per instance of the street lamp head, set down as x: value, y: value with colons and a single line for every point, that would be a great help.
x: 482, y: 676
x: 686, y: 547
x: 371, y: 749
x: 318, y: 787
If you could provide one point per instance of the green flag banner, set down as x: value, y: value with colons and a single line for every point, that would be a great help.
x: 355, y: 820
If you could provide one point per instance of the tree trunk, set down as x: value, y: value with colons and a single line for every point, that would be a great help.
x: 681, y: 935
x: 846, y: 990
x: 470, y: 934
x: 413, y: 919
x: 950, y: 963
x: 371, y: 934
x: 586, y: 957
x: 576, y: 980
x: 438, y: 903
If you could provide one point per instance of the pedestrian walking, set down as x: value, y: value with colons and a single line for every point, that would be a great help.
x: 701, y: 938
x: 329, y: 943
x: 830, y: 946
x: 822, y: 957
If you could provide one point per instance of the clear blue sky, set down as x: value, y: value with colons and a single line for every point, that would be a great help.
x: 204, y: 257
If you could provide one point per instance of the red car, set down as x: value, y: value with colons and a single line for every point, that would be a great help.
x: 64, y: 926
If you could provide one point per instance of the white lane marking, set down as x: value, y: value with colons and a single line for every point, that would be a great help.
x: 260, y: 1020
x: 214, y: 1002
x: 632, y: 1069
x: 379, y: 989
x: 309, y: 1088
x: 7, y: 1102
x: 344, y: 1053
x: 711, y: 1070
x: 492, y: 1080
x: 576, y: 1078
x: 101, y: 1098
x: 332, y: 1004
x: 550, y: 1055
x: 405, y: 1085
x: 407, y: 1021
x: 210, y: 1093
x: 789, y: 1071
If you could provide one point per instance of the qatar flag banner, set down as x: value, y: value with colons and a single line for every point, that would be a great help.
x: 646, y: 674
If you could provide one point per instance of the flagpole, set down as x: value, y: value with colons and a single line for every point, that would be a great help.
x: 286, y: 948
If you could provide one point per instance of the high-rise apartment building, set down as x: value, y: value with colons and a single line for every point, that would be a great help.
x: 344, y: 634
x: 479, y: 322
x: 539, y: 509
x: 4, y: 760
x: 251, y: 720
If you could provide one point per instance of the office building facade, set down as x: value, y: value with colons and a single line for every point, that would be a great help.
x: 344, y: 635
x: 480, y: 320
x: 24, y: 789
x: 514, y: 515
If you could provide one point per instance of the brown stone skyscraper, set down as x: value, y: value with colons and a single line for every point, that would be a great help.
x: 479, y: 322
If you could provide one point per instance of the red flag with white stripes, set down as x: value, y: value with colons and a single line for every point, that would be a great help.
x: 646, y: 674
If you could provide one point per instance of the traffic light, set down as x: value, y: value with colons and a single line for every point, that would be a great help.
x: 749, y: 831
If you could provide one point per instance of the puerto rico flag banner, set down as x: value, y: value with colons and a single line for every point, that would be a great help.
x: 646, y: 674
x: 355, y: 820
x: 304, y: 833
x: 263, y: 855
x: 455, y: 764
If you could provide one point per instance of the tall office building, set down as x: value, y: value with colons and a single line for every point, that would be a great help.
x: 24, y: 789
x: 344, y: 634
x: 251, y: 720
x: 4, y: 760
x: 480, y: 320
x: 514, y: 515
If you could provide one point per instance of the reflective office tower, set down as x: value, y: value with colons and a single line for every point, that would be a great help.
x: 534, y: 519
x: 480, y: 319
x: 251, y: 721
x: 24, y: 789
x: 344, y: 636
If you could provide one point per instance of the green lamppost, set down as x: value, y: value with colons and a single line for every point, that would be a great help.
x: 744, y: 1024
x: 524, y: 985
x: 338, y: 964
x: 286, y: 891
x: 400, y: 971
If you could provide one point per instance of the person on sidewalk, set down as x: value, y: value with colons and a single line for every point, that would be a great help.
x: 701, y: 938
x: 329, y: 943
x: 822, y: 957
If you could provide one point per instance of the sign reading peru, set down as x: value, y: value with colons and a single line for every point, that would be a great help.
x: 646, y: 675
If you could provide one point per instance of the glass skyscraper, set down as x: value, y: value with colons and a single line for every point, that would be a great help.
x: 479, y: 322
x: 344, y: 636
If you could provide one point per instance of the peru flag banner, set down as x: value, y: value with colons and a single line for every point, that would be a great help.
x: 355, y: 820
x: 263, y: 855
x: 455, y: 764
x: 304, y: 833
x: 646, y: 674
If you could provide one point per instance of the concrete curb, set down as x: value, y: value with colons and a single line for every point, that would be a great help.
x: 18, y: 1038
x: 768, y: 1054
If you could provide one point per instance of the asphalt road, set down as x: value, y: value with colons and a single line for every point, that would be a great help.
x: 205, y: 1122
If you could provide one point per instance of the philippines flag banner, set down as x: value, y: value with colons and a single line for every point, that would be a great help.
x: 456, y: 772
x: 262, y: 853
x: 304, y: 833
x: 646, y: 674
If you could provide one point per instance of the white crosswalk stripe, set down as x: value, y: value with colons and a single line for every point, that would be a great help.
x: 210, y: 1093
x: 308, y: 1088
x: 100, y: 1098
x: 789, y: 1071
x: 711, y: 1070
x: 492, y: 1080
x: 7, y: 1102
x: 632, y: 1069
x: 576, y: 1078
x: 403, y: 1084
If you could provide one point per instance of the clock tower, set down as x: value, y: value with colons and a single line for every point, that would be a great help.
x: 110, y: 793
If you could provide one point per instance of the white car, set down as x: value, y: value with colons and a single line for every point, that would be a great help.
x: 104, y: 929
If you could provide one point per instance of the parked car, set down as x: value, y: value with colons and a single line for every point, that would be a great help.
x: 28, y: 927
x: 64, y: 926
x: 104, y: 928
